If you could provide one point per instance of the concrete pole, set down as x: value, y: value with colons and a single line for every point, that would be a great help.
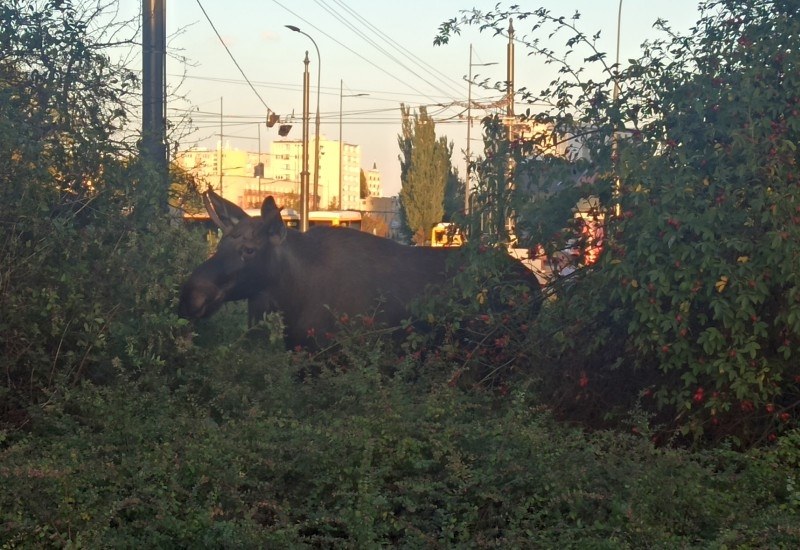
x: 304, y: 173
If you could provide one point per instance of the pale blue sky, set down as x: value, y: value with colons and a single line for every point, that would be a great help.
x: 418, y: 74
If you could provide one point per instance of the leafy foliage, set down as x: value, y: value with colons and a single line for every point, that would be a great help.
x: 80, y: 257
x: 248, y: 451
x: 425, y: 173
x: 696, y: 295
x: 62, y: 101
x: 120, y: 426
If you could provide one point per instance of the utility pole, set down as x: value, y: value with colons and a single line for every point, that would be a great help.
x: 341, y: 143
x: 154, y: 126
x: 469, y: 136
x: 510, y: 79
x: 469, y: 127
x: 615, y: 137
x: 304, y: 172
x: 509, y: 214
x: 219, y: 164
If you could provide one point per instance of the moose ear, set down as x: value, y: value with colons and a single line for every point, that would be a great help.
x: 223, y: 212
x: 273, y: 222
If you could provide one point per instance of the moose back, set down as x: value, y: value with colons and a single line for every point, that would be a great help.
x: 313, y: 277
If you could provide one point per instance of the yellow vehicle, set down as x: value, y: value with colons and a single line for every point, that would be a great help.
x: 446, y: 234
x: 289, y: 215
x: 341, y: 218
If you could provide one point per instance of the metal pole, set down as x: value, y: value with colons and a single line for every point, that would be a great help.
x: 510, y: 78
x: 154, y: 129
x: 509, y: 214
x: 316, y: 132
x: 304, y: 173
x: 469, y: 135
x: 469, y: 129
x: 319, y: 75
x: 615, y: 137
x: 341, y: 144
x: 260, y: 198
x: 220, y: 148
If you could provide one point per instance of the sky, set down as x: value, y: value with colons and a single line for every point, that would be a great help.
x: 379, y: 53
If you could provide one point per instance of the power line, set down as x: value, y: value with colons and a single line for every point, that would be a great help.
x: 231, y: 56
x: 397, y: 46
x: 355, y: 29
x: 382, y: 69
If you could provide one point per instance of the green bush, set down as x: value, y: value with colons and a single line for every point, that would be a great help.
x: 124, y: 426
x: 695, y: 300
x: 89, y: 273
x: 249, y: 452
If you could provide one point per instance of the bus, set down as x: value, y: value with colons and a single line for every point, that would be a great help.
x: 446, y: 234
x: 290, y: 217
x: 340, y: 218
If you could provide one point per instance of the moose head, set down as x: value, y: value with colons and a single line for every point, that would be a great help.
x: 240, y: 267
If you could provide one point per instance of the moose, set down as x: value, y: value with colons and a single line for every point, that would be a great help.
x: 315, y: 276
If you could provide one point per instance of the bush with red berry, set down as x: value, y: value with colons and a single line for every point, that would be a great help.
x: 693, y: 151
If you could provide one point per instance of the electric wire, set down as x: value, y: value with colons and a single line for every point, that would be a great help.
x: 380, y: 68
x: 355, y: 29
x: 397, y: 46
x: 231, y: 56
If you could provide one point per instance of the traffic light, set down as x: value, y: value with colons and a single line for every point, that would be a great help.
x: 258, y: 170
x: 283, y: 130
x: 272, y: 119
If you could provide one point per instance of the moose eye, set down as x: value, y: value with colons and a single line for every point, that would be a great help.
x: 248, y: 252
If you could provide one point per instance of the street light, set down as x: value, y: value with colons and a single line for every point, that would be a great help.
x: 316, y: 120
x: 304, y: 171
x: 341, y: 143
x: 615, y: 137
x: 469, y: 125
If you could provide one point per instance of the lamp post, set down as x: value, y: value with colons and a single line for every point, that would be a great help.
x: 304, y: 171
x: 469, y: 126
x: 316, y: 120
x: 615, y: 137
x: 341, y: 143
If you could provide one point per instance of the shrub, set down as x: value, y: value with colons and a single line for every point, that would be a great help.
x: 695, y: 298
x: 247, y: 454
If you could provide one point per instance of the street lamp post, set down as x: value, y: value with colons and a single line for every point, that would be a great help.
x: 304, y: 171
x: 615, y: 137
x: 341, y: 143
x: 316, y: 120
x: 469, y: 127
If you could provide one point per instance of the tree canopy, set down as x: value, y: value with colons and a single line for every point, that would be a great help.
x: 695, y: 302
x: 425, y: 172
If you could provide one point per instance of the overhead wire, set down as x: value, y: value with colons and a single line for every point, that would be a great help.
x: 372, y: 116
x: 210, y: 22
x: 380, y: 68
x: 397, y: 46
x: 356, y: 30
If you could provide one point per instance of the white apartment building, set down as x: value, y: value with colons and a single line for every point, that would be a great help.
x: 233, y: 173
x: 374, y: 181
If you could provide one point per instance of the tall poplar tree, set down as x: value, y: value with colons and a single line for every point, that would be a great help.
x: 425, y: 169
x: 363, y: 185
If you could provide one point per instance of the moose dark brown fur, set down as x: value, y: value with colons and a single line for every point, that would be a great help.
x: 312, y: 277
